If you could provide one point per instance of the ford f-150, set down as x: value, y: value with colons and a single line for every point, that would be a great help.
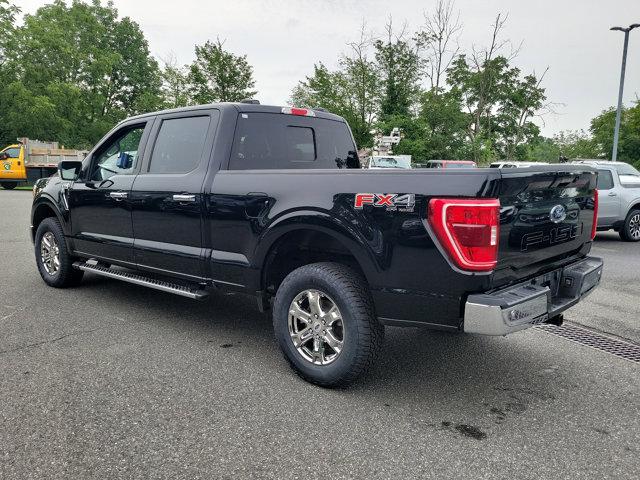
x: 271, y: 201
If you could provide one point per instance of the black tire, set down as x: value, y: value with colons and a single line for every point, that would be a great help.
x: 66, y: 275
x: 362, y: 336
x: 8, y: 185
x: 630, y: 230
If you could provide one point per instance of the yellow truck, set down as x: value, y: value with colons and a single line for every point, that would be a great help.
x: 29, y: 160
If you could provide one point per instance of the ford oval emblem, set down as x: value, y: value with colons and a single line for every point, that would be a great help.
x: 558, y: 214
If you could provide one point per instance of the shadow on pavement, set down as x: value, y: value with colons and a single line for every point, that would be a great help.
x: 503, y: 375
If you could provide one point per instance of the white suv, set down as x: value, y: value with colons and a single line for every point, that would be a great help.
x: 618, y: 198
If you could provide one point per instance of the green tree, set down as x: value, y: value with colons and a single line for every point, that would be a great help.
x: 351, y: 92
x: 175, y: 85
x: 540, y: 149
x: 602, y: 128
x: 24, y: 112
x: 500, y: 101
x: 92, y: 67
x: 438, y: 132
x: 8, y: 14
x: 217, y: 75
x: 445, y: 124
x: 399, y: 66
x: 574, y: 144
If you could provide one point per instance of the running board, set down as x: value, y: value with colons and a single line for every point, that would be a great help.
x: 141, y: 280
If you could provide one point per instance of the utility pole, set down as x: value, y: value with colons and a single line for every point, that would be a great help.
x: 616, y: 132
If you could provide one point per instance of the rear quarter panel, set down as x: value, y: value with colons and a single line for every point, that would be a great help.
x: 247, y: 211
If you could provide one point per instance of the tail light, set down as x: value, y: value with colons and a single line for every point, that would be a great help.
x: 468, y: 230
x: 594, y: 227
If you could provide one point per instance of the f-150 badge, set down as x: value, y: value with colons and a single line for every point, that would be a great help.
x: 389, y: 201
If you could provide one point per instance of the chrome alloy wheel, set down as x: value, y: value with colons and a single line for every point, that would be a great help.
x: 315, y: 327
x: 50, y: 253
x: 634, y: 226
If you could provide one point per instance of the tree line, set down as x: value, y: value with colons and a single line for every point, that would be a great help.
x: 450, y: 103
x: 70, y: 71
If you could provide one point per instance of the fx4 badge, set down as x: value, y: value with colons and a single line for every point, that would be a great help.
x: 389, y: 201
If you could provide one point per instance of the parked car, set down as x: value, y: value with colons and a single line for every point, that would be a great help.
x: 516, y: 164
x: 450, y: 164
x: 619, y: 189
x: 272, y: 202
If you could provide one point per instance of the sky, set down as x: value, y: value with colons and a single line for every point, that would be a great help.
x: 284, y: 38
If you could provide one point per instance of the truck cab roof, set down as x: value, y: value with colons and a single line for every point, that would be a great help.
x: 241, y: 107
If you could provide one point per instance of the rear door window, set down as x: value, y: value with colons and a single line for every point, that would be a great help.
x: 279, y: 141
x: 179, y: 144
x: 605, y: 180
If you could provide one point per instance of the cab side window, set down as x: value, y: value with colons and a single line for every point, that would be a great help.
x: 13, y: 152
x: 605, y: 180
x: 179, y: 145
x: 119, y: 155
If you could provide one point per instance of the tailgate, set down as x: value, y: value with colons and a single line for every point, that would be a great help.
x: 546, y: 217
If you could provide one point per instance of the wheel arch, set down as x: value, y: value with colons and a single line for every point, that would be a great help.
x: 41, y: 210
x: 294, y: 243
x: 634, y: 205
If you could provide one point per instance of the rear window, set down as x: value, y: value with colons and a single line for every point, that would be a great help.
x: 279, y: 141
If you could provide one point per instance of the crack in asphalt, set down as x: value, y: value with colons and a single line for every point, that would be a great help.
x: 53, y: 340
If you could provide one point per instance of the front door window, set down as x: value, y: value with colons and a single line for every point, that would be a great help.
x: 120, y: 156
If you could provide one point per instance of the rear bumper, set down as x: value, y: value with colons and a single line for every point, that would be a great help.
x: 533, y: 302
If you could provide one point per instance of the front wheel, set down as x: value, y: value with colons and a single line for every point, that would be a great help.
x: 8, y: 185
x: 55, y: 264
x: 630, y: 231
x: 324, y: 322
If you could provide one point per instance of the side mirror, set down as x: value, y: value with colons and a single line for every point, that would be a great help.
x: 69, y: 169
x: 4, y: 156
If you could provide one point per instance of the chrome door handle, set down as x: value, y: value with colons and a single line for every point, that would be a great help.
x: 118, y: 195
x: 613, y: 194
x: 184, y: 198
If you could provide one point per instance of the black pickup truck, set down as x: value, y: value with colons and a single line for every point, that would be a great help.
x: 271, y: 201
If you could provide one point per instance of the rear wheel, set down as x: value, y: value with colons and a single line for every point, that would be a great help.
x: 630, y: 231
x: 325, y: 324
x: 55, y: 264
x: 8, y: 185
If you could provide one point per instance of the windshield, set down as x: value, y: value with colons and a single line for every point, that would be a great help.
x: 390, y: 162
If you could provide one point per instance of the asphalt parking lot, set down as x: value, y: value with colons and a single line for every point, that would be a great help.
x: 111, y: 380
